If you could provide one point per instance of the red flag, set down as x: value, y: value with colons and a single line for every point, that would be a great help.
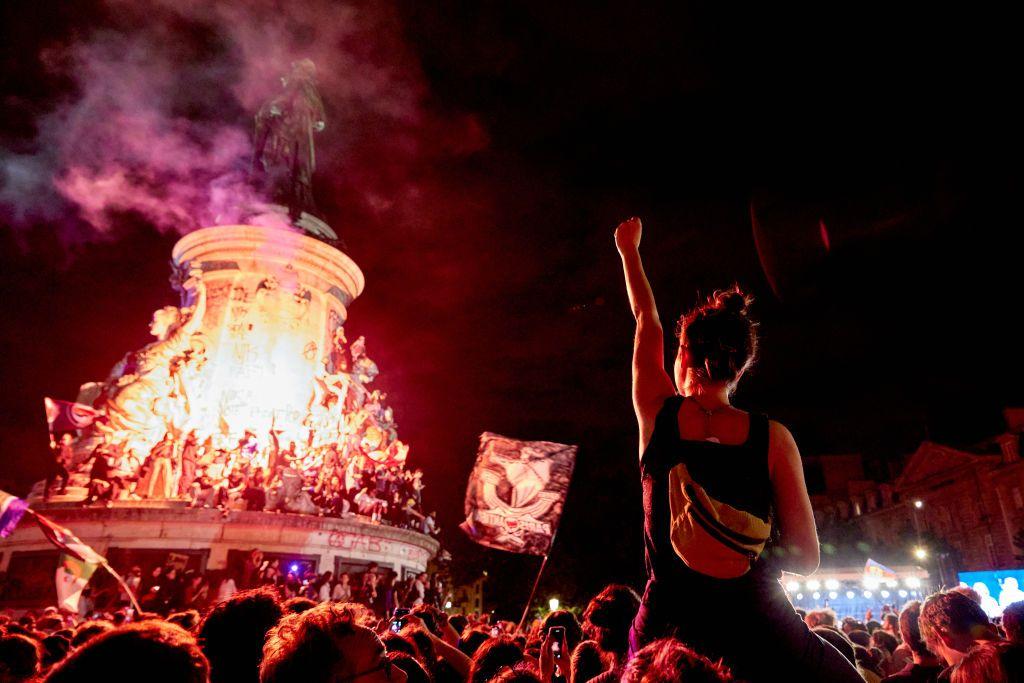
x: 68, y: 416
x: 64, y: 539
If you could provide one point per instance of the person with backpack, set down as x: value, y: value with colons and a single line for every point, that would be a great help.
x: 725, y: 504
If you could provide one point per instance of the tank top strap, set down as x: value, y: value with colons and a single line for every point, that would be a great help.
x: 758, y: 439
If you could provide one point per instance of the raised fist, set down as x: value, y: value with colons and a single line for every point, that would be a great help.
x: 628, y: 233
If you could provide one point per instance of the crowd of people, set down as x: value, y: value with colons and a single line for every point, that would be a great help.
x: 168, y: 588
x: 333, y: 632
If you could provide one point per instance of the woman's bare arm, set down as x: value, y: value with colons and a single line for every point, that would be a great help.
x: 651, y: 384
x: 799, y: 537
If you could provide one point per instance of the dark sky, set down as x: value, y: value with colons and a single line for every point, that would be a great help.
x: 494, y: 297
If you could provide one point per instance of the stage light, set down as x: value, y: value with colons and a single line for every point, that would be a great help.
x: 902, y: 593
x: 799, y: 596
x: 919, y: 503
x: 867, y: 594
x: 849, y: 595
x: 833, y: 595
x: 817, y: 595
x: 295, y: 567
x: 832, y: 584
x: 913, y: 582
x: 871, y: 582
x: 885, y: 594
x: 920, y: 553
x: 553, y: 604
x: 793, y: 586
x: 813, y: 585
x: 448, y: 604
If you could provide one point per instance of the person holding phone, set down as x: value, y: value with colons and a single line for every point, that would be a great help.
x: 721, y: 487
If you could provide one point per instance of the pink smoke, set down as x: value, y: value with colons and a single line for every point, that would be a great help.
x: 162, y: 129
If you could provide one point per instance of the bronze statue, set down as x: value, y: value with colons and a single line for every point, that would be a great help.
x: 284, y: 153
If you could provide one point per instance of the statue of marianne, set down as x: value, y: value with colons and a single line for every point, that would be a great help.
x: 284, y: 156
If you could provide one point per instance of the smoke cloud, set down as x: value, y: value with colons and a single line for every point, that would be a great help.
x: 158, y: 121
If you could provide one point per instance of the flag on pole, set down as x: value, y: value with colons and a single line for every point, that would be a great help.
x: 72, y: 576
x: 67, y: 541
x: 516, y: 492
x: 11, y: 510
x: 67, y: 416
x: 879, y: 572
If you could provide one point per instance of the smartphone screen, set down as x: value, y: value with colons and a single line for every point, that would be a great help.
x: 557, y: 638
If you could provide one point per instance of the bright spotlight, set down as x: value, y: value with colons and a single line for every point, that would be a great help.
x: 813, y: 585
x: 902, y: 593
x: 871, y: 582
x: 553, y: 604
x: 920, y: 553
x: 793, y: 586
x: 885, y: 594
x: 817, y: 595
x: 448, y: 604
x: 799, y: 596
x: 867, y: 594
x: 849, y: 595
x: 913, y: 582
x: 832, y: 584
x: 833, y: 595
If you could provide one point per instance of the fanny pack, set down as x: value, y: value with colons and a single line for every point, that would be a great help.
x: 709, y: 536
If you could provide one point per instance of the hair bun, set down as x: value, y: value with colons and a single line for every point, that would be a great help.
x: 733, y: 301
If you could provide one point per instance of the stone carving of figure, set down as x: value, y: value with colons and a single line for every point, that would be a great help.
x: 285, y: 156
x: 145, y: 396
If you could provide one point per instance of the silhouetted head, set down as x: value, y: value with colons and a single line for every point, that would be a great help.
x: 717, y: 342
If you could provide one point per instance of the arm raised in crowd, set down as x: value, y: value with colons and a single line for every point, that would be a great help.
x: 651, y: 383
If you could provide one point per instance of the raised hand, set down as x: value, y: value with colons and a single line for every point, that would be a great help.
x: 627, y: 235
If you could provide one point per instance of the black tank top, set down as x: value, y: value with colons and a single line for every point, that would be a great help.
x: 734, y: 474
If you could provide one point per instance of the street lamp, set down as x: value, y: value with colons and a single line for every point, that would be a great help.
x: 553, y: 604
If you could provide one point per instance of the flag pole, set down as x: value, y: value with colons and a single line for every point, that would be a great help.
x: 124, y: 584
x: 529, y: 601
x: 103, y: 563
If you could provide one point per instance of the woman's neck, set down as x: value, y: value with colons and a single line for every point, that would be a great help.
x: 708, y: 395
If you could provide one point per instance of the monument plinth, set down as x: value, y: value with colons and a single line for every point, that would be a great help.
x: 275, y: 303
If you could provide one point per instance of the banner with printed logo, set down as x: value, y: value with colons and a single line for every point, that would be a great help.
x: 516, y: 492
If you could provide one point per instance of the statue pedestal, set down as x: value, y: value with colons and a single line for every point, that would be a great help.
x: 274, y: 300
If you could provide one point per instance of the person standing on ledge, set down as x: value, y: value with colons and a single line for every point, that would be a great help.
x: 725, y: 504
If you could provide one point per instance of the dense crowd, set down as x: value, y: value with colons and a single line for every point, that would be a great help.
x: 164, y: 589
x: 261, y: 635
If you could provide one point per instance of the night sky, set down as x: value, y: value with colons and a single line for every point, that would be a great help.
x: 478, y: 157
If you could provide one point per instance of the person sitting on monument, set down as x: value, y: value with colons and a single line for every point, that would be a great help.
x: 102, y: 485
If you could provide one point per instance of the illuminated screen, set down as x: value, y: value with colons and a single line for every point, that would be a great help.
x: 997, y: 588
